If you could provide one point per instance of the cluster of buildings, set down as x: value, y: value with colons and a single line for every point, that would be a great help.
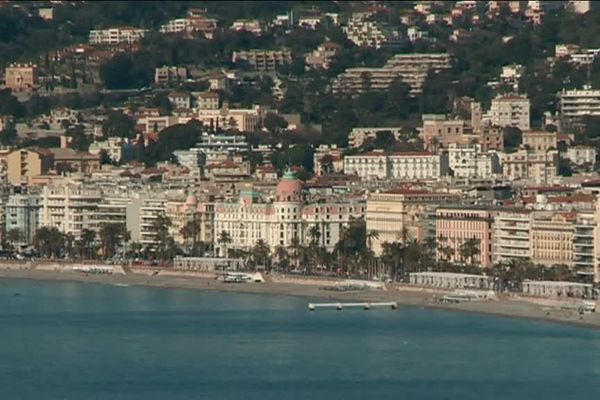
x: 558, y: 225
x: 411, y: 69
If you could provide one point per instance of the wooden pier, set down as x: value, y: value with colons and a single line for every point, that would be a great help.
x: 340, y: 306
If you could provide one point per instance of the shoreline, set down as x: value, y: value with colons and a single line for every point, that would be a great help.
x: 504, y: 306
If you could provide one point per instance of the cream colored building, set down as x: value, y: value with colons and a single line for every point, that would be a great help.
x: 552, y: 236
x: 398, y: 166
x: 25, y: 164
x: 402, y: 212
x: 69, y: 207
x: 20, y: 77
x: 182, y: 211
x: 125, y: 34
x: 244, y: 120
x: 540, y: 141
x: 511, y: 111
x: 538, y: 167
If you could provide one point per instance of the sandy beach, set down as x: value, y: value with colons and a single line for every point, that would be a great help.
x: 310, y: 289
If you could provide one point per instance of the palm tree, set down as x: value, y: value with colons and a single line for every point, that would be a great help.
x: 87, y: 240
x: 314, y: 233
x: 261, y: 253
x: 191, y: 230
x: 166, y: 247
x: 111, y: 236
x: 296, y: 246
x: 393, y: 257
x: 469, y: 249
x: 224, y: 239
x: 69, y: 241
x: 14, y: 237
x: 282, y: 257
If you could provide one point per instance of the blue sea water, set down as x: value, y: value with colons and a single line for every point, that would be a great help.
x: 62, y: 340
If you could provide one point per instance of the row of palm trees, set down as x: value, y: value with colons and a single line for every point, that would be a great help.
x: 112, y: 239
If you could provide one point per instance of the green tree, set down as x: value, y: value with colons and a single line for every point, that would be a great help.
x: 274, y: 122
x: 8, y: 136
x: 224, y: 240
x: 48, y: 242
x: 111, y: 237
x: 79, y: 140
x: 469, y: 249
x: 165, y: 247
x: 191, y: 234
x: 175, y: 137
x: 127, y: 71
x: 88, y: 237
x: 14, y: 237
x: 261, y: 254
x: 118, y: 124
x: 513, y: 137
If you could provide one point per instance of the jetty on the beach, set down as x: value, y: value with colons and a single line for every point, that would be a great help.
x: 364, y: 305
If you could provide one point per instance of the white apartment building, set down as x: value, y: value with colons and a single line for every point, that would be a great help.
x: 358, y: 136
x: 166, y: 74
x: 511, y: 236
x: 69, y: 207
x: 575, y: 104
x: 398, y: 166
x: 322, y: 57
x: 193, y: 159
x: 469, y: 161
x: 535, y: 166
x: 116, y: 35
x: 365, y: 33
x: 142, y: 211
x: 254, y: 26
x: 581, y: 156
x: 194, y: 22
x: 113, y: 146
x: 511, y: 111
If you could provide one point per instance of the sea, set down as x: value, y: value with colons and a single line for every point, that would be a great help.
x: 65, y: 340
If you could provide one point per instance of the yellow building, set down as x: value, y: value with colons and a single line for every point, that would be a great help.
x: 540, y: 141
x: 552, y: 238
x: 21, y: 76
x: 25, y: 164
x: 401, y: 212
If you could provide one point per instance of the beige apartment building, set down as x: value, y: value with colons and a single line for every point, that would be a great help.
x: 510, y: 111
x: 25, y: 164
x: 552, y: 236
x: 402, y: 212
x: 21, y: 77
x: 540, y: 141
x: 69, y: 207
x: 538, y: 167
x: 456, y: 225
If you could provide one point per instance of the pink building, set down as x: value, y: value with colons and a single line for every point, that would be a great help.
x: 456, y: 225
